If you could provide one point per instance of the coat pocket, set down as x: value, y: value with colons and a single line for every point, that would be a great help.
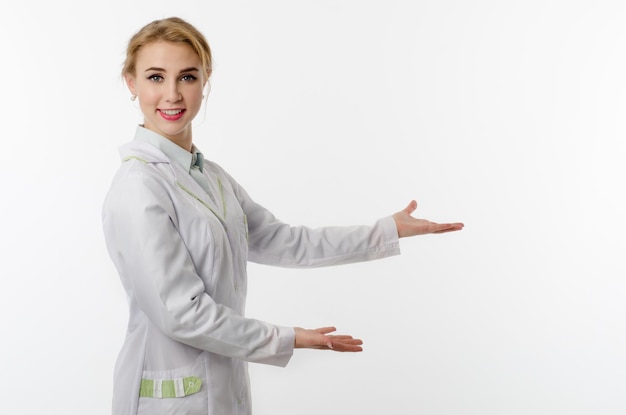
x: 178, y: 391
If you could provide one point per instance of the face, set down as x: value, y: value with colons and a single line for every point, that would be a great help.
x: 168, y: 82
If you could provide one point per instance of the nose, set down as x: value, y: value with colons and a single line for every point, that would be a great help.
x: 172, y: 93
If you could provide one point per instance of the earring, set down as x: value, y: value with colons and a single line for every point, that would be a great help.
x: 133, y: 97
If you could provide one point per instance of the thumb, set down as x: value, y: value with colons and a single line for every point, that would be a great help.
x: 411, y: 207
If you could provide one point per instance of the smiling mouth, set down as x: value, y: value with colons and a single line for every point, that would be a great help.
x: 172, y: 115
x: 171, y: 112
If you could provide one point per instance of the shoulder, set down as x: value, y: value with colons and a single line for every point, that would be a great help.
x: 144, y: 177
x: 143, y: 162
x: 143, y: 152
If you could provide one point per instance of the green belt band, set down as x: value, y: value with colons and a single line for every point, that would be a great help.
x: 175, y: 388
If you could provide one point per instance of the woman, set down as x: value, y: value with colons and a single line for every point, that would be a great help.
x: 180, y: 230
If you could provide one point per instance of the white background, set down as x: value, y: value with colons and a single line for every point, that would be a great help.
x: 506, y: 115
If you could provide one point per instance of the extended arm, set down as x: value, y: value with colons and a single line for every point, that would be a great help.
x: 273, y: 242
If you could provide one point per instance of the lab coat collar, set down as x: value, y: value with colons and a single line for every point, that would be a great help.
x: 174, y: 152
x: 145, y: 152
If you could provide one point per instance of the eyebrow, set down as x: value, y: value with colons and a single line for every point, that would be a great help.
x: 152, y: 68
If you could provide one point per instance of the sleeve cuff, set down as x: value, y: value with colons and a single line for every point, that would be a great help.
x: 286, y: 342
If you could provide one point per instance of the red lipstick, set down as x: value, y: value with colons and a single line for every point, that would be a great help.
x: 172, y: 115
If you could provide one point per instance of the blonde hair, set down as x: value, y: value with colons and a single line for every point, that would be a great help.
x: 172, y: 29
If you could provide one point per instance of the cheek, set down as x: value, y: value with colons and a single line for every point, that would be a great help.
x: 148, y: 100
x: 196, y: 92
x: 194, y: 96
x: 148, y: 94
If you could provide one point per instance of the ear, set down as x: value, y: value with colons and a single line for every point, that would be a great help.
x: 130, y: 83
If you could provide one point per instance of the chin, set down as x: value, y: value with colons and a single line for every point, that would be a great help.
x: 171, y: 130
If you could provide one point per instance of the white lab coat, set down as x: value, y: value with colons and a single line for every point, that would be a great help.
x: 181, y: 257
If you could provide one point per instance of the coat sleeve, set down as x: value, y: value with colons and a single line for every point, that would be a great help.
x: 159, y: 275
x: 273, y: 242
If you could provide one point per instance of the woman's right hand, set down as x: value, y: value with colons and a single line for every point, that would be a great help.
x: 319, y: 339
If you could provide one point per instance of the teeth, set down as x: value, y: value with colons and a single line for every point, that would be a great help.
x: 171, y: 112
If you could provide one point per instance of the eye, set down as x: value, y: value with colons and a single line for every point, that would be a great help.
x: 155, y: 78
x: 188, y: 78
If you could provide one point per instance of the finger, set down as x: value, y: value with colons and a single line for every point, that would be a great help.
x: 325, y: 330
x: 346, y: 341
x: 340, y: 337
x: 448, y: 227
x: 354, y: 342
x: 345, y: 347
x: 341, y: 345
x: 411, y: 207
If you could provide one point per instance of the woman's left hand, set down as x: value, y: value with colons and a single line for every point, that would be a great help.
x: 320, y: 339
x: 409, y: 226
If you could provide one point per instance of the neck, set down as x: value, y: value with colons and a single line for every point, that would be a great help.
x: 181, y: 141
